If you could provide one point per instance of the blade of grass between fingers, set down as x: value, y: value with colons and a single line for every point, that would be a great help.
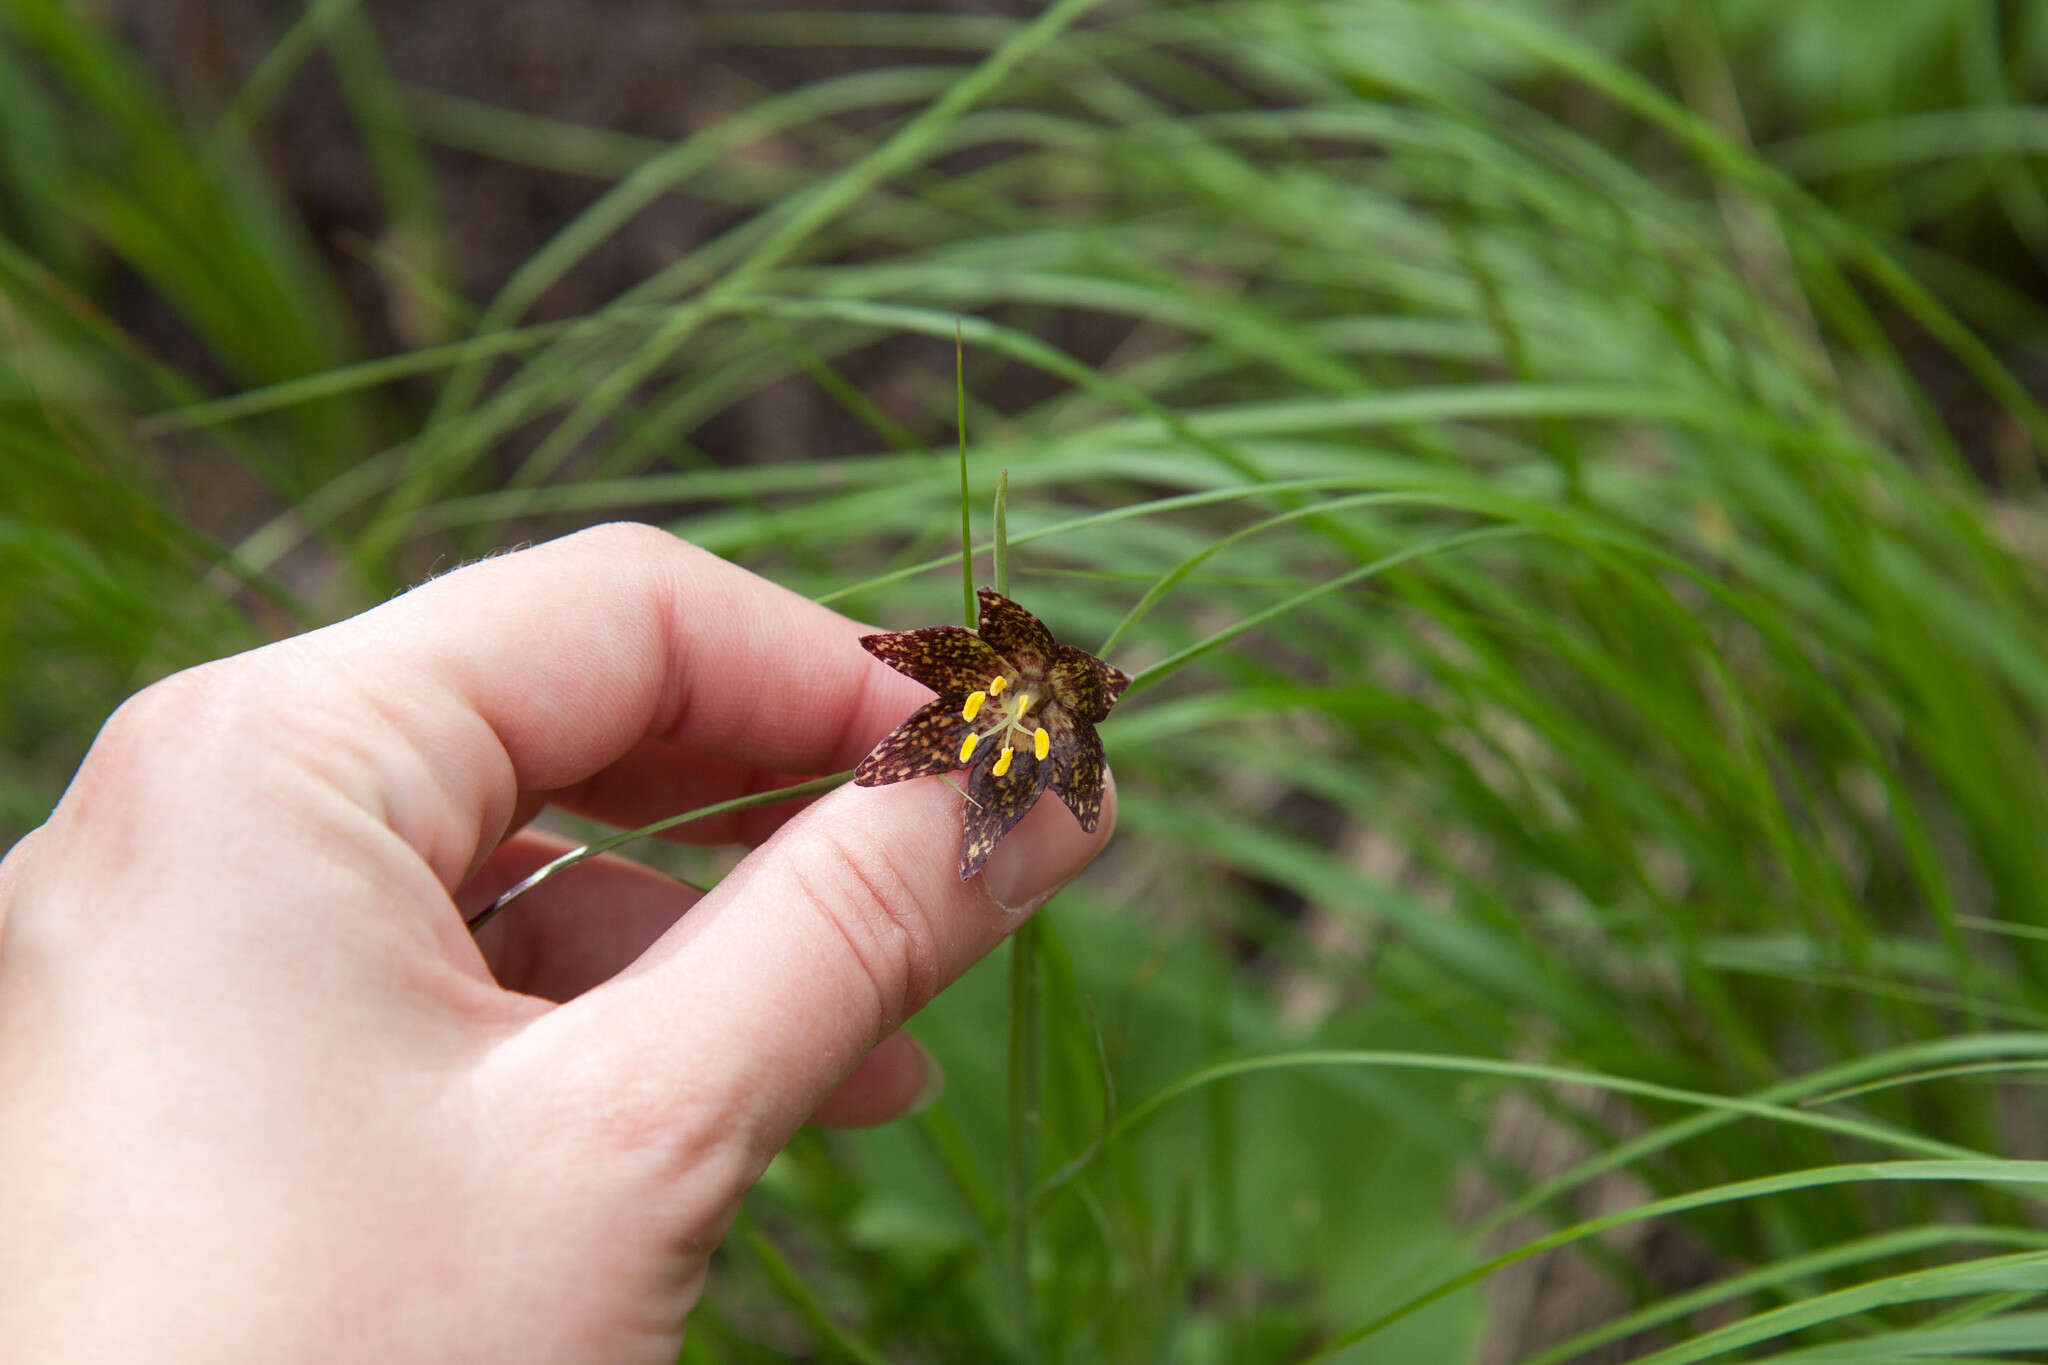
x: 815, y: 787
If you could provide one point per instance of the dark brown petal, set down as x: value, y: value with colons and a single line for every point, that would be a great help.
x: 1084, y: 684
x: 927, y: 743
x: 1074, y: 767
x: 947, y: 659
x: 995, y: 804
x: 1016, y: 634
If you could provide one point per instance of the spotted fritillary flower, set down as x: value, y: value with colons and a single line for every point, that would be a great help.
x: 1015, y: 708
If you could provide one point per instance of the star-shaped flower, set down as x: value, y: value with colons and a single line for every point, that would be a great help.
x: 1015, y: 708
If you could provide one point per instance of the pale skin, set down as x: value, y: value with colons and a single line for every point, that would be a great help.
x: 263, y: 1096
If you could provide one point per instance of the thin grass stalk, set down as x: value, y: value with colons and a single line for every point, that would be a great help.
x: 1003, y: 533
x: 785, y: 1278
x: 972, y: 617
x: 815, y: 787
x: 1022, y: 1091
x: 1026, y: 1044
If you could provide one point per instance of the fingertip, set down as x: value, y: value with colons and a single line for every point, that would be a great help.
x: 1046, y: 850
x: 780, y: 982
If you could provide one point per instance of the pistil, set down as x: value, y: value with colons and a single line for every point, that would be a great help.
x: 1012, y: 724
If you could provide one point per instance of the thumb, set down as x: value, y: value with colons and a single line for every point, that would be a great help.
x: 750, y: 1011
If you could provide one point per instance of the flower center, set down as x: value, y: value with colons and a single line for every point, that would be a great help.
x: 1013, y: 724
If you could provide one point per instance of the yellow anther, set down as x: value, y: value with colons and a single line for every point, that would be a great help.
x: 1041, y: 744
x: 1003, y: 761
x: 967, y: 747
x: 997, y: 684
x: 974, y: 701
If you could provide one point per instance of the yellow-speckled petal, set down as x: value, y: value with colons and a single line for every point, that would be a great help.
x: 1084, y: 684
x: 931, y: 741
x: 997, y: 801
x: 950, y: 660
x: 1016, y: 634
x: 1075, y: 768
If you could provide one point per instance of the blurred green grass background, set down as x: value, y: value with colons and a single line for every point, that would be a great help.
x: 1573, y: 469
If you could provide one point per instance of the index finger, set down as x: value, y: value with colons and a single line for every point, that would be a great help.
x: 538, y: 670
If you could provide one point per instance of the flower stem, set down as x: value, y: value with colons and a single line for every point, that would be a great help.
x: 1023, y: 1125
x: 966, y: 525
x: 1003, y: 533
x: 574, y: 856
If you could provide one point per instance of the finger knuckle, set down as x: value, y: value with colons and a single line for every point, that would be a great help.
x: 884, y: 918
x: 146, y: 786
x: 627, y: 540
x: 658, y: 1135
x: 188, y: 709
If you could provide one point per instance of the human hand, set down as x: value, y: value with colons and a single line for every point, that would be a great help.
x: 263, y: 1096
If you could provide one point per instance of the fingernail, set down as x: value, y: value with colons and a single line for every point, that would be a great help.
x: 934, y: 1081
x: 1046, y: 850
